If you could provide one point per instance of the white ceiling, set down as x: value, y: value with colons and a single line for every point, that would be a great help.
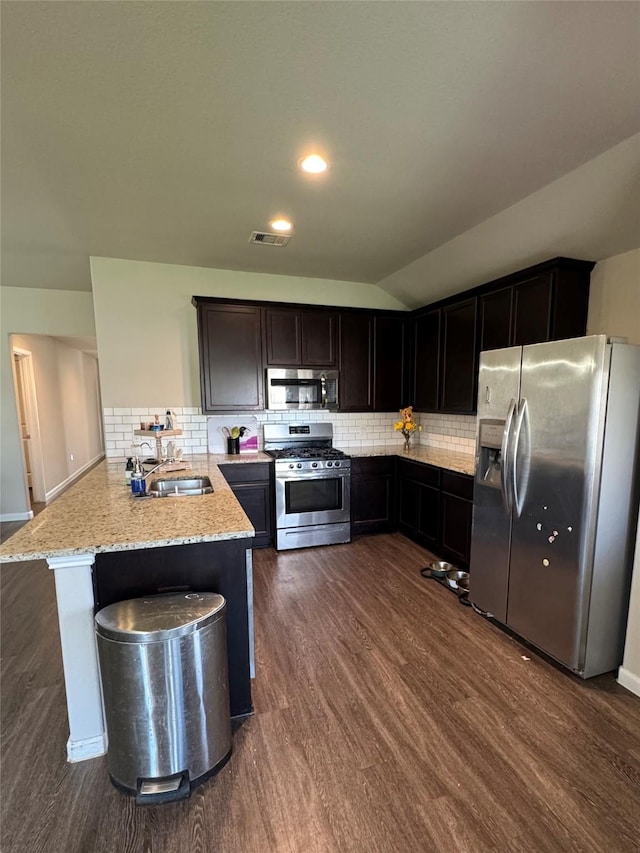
x: 168, y: 131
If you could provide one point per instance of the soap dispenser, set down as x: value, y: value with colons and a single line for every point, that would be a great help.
x: 128, y: 470
x: 138, y: 483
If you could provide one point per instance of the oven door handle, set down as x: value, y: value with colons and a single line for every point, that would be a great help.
x: 321, y: 474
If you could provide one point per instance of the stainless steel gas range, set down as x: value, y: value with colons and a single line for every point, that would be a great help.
x: 312, y: 485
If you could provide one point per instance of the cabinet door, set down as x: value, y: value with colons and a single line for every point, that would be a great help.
x: 283, y: 337
x: 319, y: 339
x: 495, y: 319
x: 372, y: 495
x: 426, y: 362
x: 427, y: 526
x: 230, y: 358
x: 388, y: 363
x: 251, y: 484
x: 255, y: 500
x: 407, y: 505
x: 459, y: 360
x: 356, y: 342
x: 532, y: 310
x: 570, y: 304
x: 455, y: 533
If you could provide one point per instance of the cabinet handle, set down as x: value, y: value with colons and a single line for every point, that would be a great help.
x: 487, y: 395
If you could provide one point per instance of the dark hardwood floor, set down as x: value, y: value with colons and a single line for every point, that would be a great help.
x: 387, y: 718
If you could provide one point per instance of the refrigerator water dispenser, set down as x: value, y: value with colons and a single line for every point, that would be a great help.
x: 489, y: 469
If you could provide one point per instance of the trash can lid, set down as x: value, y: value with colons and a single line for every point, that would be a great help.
x: 159, y: 617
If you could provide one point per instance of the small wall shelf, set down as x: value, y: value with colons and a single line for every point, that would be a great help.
x: 158, y: 435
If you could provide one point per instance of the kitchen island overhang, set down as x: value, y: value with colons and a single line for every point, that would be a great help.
x: 97, y: 531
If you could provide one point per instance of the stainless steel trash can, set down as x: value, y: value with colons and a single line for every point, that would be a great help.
x: 163, y: 665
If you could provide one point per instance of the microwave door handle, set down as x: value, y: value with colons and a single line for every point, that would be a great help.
x: 323, y: 390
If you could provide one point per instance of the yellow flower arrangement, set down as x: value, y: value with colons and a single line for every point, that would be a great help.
x: 407, y: 426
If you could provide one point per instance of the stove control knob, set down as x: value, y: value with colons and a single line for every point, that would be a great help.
x: 291, y: 465
x: 299, y: 465
x: 329, y: 464
x: 337, y: 464
x: 314, y: 464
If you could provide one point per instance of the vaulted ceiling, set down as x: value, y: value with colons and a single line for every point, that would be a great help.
x: 168, y: 131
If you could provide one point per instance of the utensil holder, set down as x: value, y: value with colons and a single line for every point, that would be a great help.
x: 233, y: 446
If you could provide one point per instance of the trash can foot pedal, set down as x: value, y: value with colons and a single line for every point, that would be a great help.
x: 164, y: 790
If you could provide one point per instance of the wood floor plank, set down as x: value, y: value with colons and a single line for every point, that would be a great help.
x: 388, y: 719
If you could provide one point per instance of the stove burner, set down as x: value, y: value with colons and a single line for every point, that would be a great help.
x: 307, y: 453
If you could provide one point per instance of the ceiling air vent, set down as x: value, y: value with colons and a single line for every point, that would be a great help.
x: 267, y: 239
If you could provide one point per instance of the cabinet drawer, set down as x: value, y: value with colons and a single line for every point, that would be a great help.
x: 460, y: 485
x: 419, y: 472
x: 372, y: 466
x: 246, y: 472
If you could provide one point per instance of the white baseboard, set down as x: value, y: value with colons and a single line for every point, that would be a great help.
x: 629, y: 680
x: 17, y: 516
x: 91, y: 747
x: 49, y: 496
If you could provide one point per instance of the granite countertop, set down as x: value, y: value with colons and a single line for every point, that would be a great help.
x: 99, y: 513
x: 462, y: 463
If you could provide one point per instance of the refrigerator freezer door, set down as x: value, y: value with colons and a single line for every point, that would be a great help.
x: 498, y: 387
x: 555, y: 476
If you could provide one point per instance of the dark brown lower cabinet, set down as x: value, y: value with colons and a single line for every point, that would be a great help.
x: 251, y: 483
x: 418, y: 487
x: 456, y: 510
x: 372, y: 495
x: 435, y: 508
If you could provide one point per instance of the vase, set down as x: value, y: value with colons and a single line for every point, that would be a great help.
x: 407, y: 443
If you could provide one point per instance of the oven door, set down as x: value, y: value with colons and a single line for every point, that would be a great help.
x: 312, y: 497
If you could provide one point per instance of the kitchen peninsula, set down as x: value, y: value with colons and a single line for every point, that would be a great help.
x: 105, y: 545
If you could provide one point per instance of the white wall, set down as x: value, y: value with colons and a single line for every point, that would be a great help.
x: 38, y: 312
x: 588, y: 213
x: 614, y: 297
x: 69, y: 411
x: 146, y: 324
x: 614, y: 309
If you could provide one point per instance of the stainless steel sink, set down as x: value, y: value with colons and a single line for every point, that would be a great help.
x: 176, y: 487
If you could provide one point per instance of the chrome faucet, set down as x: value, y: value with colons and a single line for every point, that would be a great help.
x: 154, y: 469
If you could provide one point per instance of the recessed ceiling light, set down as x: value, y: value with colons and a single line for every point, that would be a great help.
x: 281, y: 225
x: 314, y: 164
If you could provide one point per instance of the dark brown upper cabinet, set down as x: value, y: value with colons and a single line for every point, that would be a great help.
x: 389, y: 362
x: 495, y: 319
x: 229, y: 338
x: 426, y: 361
x: 532, y: 310
x: 445, y: 358
x: 544, y: 303
x: 459, y: 357
x: 283, y: 337
x: 300, y: 338
x: 355, y: 389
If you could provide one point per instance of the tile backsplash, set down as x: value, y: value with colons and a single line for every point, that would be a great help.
x: 450, y: 432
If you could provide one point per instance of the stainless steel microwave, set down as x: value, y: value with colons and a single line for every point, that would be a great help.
x: 301, y: 389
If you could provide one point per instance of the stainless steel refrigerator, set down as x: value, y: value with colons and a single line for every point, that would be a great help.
x: 556, y: 496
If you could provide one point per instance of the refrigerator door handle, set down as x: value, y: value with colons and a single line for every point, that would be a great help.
x: 507, y: 496
x: 517, y: 499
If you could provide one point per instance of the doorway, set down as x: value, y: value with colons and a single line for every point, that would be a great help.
x: 27, y: 407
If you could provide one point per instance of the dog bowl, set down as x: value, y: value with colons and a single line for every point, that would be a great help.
x: 453, y: 579
x: 440, y: 569
x: 463, y: 585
